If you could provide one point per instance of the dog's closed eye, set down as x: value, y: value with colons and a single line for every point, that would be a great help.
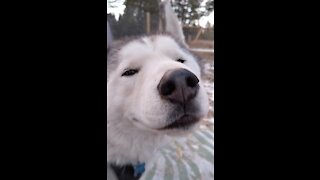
x: 130, y: 72
x: 181, y: 60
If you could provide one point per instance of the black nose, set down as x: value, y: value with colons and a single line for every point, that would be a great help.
x: 178, y: 86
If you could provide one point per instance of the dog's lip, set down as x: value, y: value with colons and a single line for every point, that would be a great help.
x: 184, y: 122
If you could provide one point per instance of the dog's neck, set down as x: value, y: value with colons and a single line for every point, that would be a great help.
x: 128, y: 144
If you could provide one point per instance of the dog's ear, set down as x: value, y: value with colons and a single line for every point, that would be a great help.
x: 169, y: 22
x: 109, y: 35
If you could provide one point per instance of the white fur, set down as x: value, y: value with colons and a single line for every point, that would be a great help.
x: 137, y: 97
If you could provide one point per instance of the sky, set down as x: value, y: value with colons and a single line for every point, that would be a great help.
x: 119, y: 9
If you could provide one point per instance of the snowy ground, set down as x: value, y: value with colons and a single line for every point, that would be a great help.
x: 192, y: 157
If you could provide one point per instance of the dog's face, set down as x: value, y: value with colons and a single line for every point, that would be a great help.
x: 155, y: 84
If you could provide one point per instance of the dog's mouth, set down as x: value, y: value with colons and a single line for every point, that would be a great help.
x: 184, y: 122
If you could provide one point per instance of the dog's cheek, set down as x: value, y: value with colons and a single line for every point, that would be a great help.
x: 119, y: 92
x: 203, y: 101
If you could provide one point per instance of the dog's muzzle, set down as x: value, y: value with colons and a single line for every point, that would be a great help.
x: 180, y: 87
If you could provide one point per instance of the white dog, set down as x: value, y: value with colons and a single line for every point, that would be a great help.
x: 154, y: 89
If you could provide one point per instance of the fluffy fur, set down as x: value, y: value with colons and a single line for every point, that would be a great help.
x: 135, y: 110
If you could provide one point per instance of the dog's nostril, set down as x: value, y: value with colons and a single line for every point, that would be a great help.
x: 192, y: 81
x: 167, y: 88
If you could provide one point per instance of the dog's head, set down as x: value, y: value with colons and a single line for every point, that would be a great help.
x: 154, y: 83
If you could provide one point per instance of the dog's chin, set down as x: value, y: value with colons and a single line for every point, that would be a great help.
x: 185, y: 122
x: 180, y: 127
